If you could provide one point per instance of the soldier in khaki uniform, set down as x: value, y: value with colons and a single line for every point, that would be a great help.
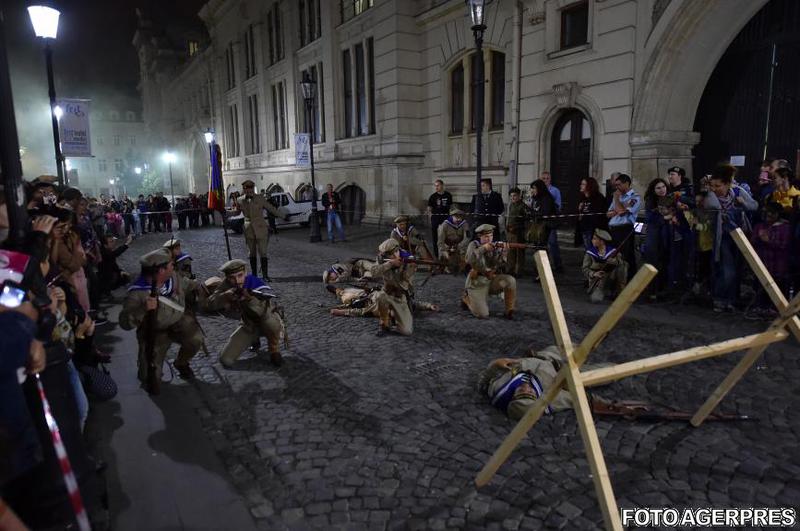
x: 256, y: 228
x: 173, y: 323
x: 357, y: 302
x: 453, y: 240
x: 485, y: 258
x: 409, y: 238
x: 605, y: 271
x: 394, y: 300
x: 514, y: 385
x: 173, y: 245
x: 515, y: 230
x: 259, y: 315
x: 348, y: 271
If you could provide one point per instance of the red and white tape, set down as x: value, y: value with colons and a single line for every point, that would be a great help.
x: 63, y: 460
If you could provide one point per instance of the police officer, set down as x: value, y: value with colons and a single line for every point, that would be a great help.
x: 256, y: 229
x: 486, y: 257
x: 259, y: 315
x: 172, y: 323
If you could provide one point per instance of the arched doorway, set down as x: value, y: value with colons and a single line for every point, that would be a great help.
x: 354, y: 204
x: 570, y: 155
x: 739, y: 112
x: 274, y: 188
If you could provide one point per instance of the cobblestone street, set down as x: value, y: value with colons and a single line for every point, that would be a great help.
x: 361, y: 432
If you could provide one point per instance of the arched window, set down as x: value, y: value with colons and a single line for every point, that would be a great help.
x: 494, y: 69
x: 457, y: 99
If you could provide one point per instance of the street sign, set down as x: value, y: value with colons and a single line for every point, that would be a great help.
x: 302, y: 146
x: 74, y: 128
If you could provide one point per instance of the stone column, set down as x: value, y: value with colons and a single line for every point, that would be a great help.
x: 652, y: 152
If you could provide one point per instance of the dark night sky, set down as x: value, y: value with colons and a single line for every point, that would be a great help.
x: 93, y: 58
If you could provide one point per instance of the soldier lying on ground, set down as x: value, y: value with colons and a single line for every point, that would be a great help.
x: 358, y: 302
x: 260, y: 316
x: 352, y: 269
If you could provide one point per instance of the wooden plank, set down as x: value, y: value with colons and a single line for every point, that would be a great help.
x: 765, y: 278
x: 594, y: 452
x: 653, y: 363
x: 595, y: 336
x: 743, y: 366
x: 553, y: 302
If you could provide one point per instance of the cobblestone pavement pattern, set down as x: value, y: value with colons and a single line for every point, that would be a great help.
x: 361, y: 432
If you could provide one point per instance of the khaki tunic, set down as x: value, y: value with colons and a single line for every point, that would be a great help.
x: 259, y: 317
x: 173, y: 324
x: 614, y: 280
x: 483, y: 280
x: 353, y: 269
x: 452, y: 243
x: 370, y: 307
x: 256, y: 228
x: 515, y: 233
x: 393, y: 299
x: 412, y: 241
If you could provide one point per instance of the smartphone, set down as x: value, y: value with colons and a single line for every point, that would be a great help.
x: 638, y: 227
x: 11, y: 296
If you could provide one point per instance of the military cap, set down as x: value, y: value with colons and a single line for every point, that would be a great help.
x: 677, y: 169
x: 483, y: 229
x: 388, y: 246
x: 171, y: 243
x: 248, y: 183
x: 156, y: 258
x: 401, y: 219
x: 233, y: 266
x: 456, y: 212
x: 603, y: 235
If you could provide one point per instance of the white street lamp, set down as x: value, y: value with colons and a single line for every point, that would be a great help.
x: 209, y: 136
x: 44, y: 20
x: 477, y: 12
x: 137, y: 170
x: 168, y: 157
x: 45, y: 24
x: 58, y: 111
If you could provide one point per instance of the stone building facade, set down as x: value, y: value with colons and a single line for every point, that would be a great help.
x: 577, y: 87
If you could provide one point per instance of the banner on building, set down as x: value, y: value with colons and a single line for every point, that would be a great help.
x: 302, y: 144
x: 74, y: 128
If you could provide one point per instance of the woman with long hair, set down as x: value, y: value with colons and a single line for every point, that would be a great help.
x: 542, y: 205
x: 660, y: 215
x: 591, y: 212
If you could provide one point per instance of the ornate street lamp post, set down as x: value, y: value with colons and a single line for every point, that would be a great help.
x: 45, y: 25
x: 477, y: 11
x: 309, y: 87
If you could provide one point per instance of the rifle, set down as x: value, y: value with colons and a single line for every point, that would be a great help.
x: 519, y: 245
x: 635, y: 410
x: 419, y: 261
x: 152, y: 384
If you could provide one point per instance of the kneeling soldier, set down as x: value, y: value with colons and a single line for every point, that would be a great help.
x: 259, y: 315
x: 172, y: 323
x: 453, y: 240
x: 485, y: 258
x: 409, y: 238
x: 394, y: 301
x: 605, y: 270
x: 173, y: 246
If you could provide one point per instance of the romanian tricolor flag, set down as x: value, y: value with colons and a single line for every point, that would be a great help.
x: 216, y: 190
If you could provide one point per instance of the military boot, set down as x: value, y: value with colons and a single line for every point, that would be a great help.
x: 254, y: 265
x: 265, y: 269
x: 510, y: 297
x: 274, y: 352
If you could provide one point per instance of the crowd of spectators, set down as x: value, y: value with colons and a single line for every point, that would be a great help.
x: 49, y: 312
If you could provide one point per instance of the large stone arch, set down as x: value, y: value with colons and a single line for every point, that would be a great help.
x: 679, y: 57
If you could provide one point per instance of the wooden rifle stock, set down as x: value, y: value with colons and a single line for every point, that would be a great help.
x: 151, y: 321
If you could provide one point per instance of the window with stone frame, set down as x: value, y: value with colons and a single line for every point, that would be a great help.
x: 347, y: 79
x: 352, y: 8
x: 253, y: 126
x: 358, y: 67
x: 457, y: 99
x: 310, y: 21
x: 249, y: 40
x: 232, y: 131
x: 275, y: 34
x: 281, y: 140
x: 230, y: 66
x: 575, y: 25
x: 317, y: 111
x: 498, y: 85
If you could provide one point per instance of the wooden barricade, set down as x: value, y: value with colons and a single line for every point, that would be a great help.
x: 576, y: 381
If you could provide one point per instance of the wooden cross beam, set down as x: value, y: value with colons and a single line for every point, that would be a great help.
x: 576, y: 382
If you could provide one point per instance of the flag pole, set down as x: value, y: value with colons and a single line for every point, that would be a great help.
x: 216, y: 186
